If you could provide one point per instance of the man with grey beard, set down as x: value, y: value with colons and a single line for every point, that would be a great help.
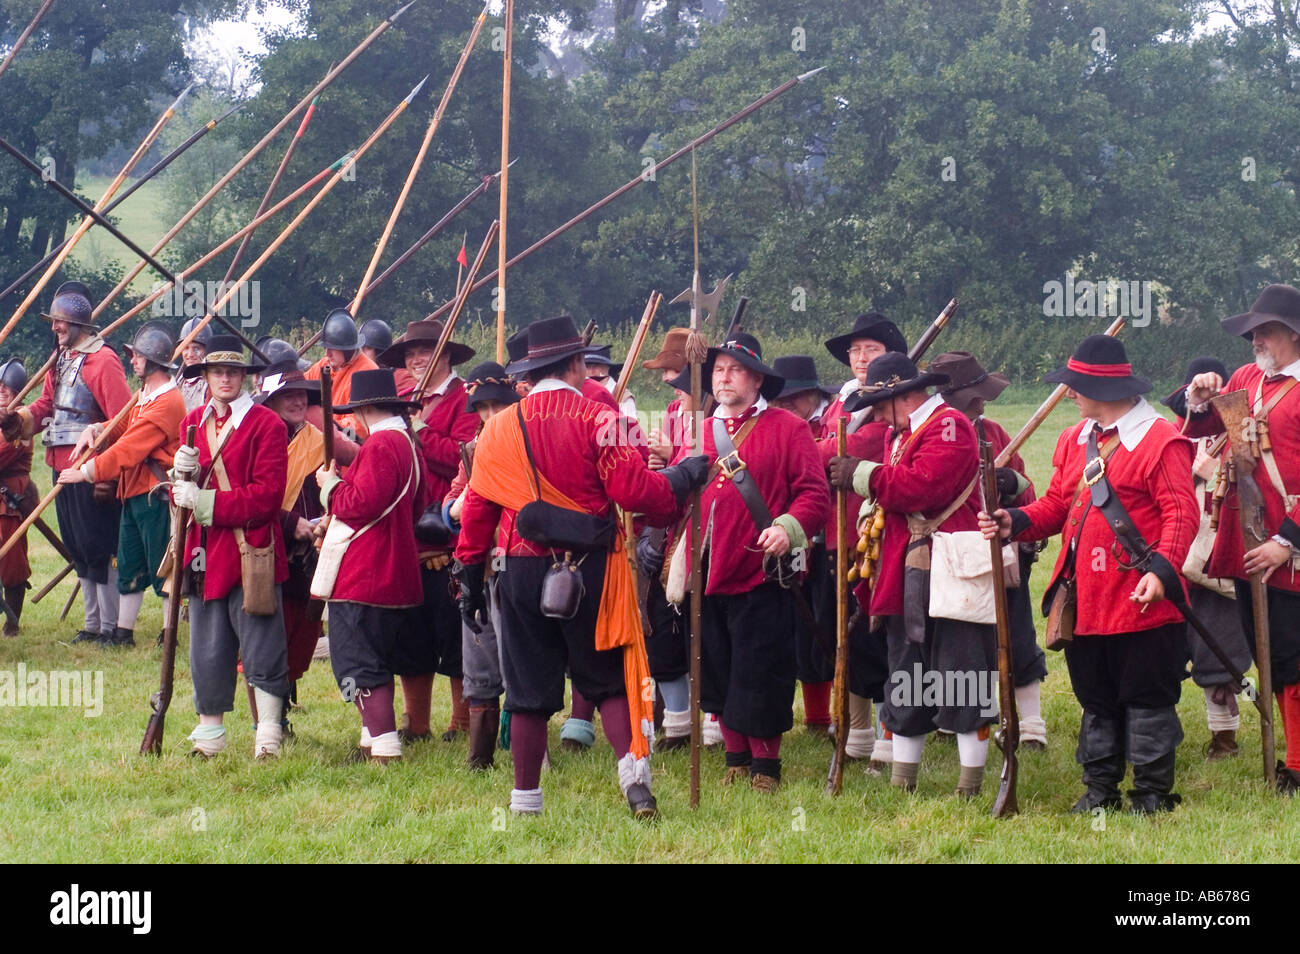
x: 1273, y: 327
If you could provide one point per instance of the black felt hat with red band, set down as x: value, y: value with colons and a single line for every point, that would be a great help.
x: 1099, y: 369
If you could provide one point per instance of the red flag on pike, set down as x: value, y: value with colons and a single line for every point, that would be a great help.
x: 461, y: 258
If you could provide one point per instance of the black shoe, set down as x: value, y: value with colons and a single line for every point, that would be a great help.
x: 407, y: 736
x: 671, y: 743
x: 1093, y: 799
x: 1148, y: 803
x: 1288, y: 780
x: 123, y: 637
x: 85, y: 636
x: 105, y: 638
x: 641, y: 802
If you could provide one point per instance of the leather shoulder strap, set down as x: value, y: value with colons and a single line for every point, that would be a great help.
x: 739, y: 474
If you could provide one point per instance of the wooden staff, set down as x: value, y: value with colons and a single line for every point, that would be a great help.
x: 161, y: 700
x: 505, y: 177
x: 88, y: 221
x: 633, y: 183
x: 1044, y: 410
x: 840, y: 696
x: 252, y: 153
x: 125, y: 194
x: 22, y: 37
x: 620, y: 388
x: 415, y: 166
x: 279, y: 240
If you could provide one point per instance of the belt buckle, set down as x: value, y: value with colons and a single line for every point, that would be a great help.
x: 730, y: 469
x: 1101, y: 471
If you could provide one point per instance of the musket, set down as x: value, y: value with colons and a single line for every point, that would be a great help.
x: 466, y: 460
x: 589, y: 331
x: 840, y: 688
x: 220, y: 303
x: 432, y: 128
x: 695, y: 354
x: 87, y: 222
x: 151, y: 744
x: 114, y: 231
x: 122, y: 196
x: 1234, y: 411
x: 316, y: 607
x: 638, y: 341
x: 253, y: 152
x: 1005, y: 804
x: 640, y: 178
x: 923, y: 343
x: 22, y: 37
x: 1044, y: 410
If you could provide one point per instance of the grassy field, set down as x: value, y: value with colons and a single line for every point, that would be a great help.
x: 137, y: 218
x: 73, y: 789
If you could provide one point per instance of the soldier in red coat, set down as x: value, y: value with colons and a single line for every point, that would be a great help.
x: 1273, y: 327
x: 373, y: 632
x: 969, y: 387
x: 927, y: 484
x: 86, y: 385
x: 15, y: 485
x: 765, y: 499
x: 1128, y: 654
x: 549, y: 448
x: 441, y: 425
x: 242, y: 463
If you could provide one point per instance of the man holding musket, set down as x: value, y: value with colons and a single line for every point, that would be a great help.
x: 235, y: 550
x: 85, y: 386
x: 1273, y: 327
x: 1126, y: 649
x: 765, y: 497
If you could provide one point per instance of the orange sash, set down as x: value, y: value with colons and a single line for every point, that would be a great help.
x: 501, y: 474
x: 306, y: 453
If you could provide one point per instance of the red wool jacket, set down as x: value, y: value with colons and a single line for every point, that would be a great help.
x: 932, y: 471
x: 446, y: 426
x: 380, y: 568
x: 998, y: 438
x: 565, y: 430
x: 1154, y: 483
x: 102, y: 372
x: 257, y: 463
x: 1226, y: 559
x: 779, y: 453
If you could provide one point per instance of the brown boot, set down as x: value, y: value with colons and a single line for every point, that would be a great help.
x: 735, y: 773
x: 1223, y: 745
x: 483, y: 722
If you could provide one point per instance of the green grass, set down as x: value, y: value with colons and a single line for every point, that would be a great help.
x: 138, y: 218
x: 73, y: 789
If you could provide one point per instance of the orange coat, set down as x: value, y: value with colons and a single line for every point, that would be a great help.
x: 149, y: 432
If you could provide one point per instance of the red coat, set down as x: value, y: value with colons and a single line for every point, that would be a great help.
x: 1154, y: 483
x: 447, y: 426
x: 15, y: 474
x: 257, y: 463
x: 998, y: 438
x: 380, y: 568
x: 1226, y: 559
x: 565, y: 431
x: 781, y: 456
x: 102, y: 372
x: 932, y: 471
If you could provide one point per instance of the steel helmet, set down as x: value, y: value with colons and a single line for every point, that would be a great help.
x: 340, y: 331
x: 154, y: 341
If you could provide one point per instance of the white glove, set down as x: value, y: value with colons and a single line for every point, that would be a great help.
x: 186, y: 460
x: 185, y: 493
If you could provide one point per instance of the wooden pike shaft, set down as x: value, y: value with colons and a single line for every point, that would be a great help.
x: 22, y: 37
x: 840, y: 689
x: 1044, y: 410
x: 220, y: 303
x: 505, y: 180
x: 253, y: 152
x: 638, y: 341
x: 88, y: 220
x: 44, y: 590
x: 415, y: 166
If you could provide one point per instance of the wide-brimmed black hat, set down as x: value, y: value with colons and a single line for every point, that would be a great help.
x: 872, y: 325
x: 488, y: 382
x: 1275, y: 303
x: 800, y: 373
x: 1177, y: 401
x: 550, y: 340
x: 426, y: 333
x: 889, y: 376
x: 284, y: 376
x: 374, y: 388
x: 746, y: 350
x: 225, y: 351
x: 71, y: 303
x: 967, y: 379
x: 599, y: 354
x: 1099, y: 369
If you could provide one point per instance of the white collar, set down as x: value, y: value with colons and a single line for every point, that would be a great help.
x: 821, y: 409
x: 918, y: 417
x: 1292, y: 370
x: 239, y: 407
x: 1132, y: 427
x: 393, y: 423
x: 442, y: 388
x: 88, y: 345
x: 146, y: 398
x: 552, y: 384
x: 759, y: 407
x: 849, y: 387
